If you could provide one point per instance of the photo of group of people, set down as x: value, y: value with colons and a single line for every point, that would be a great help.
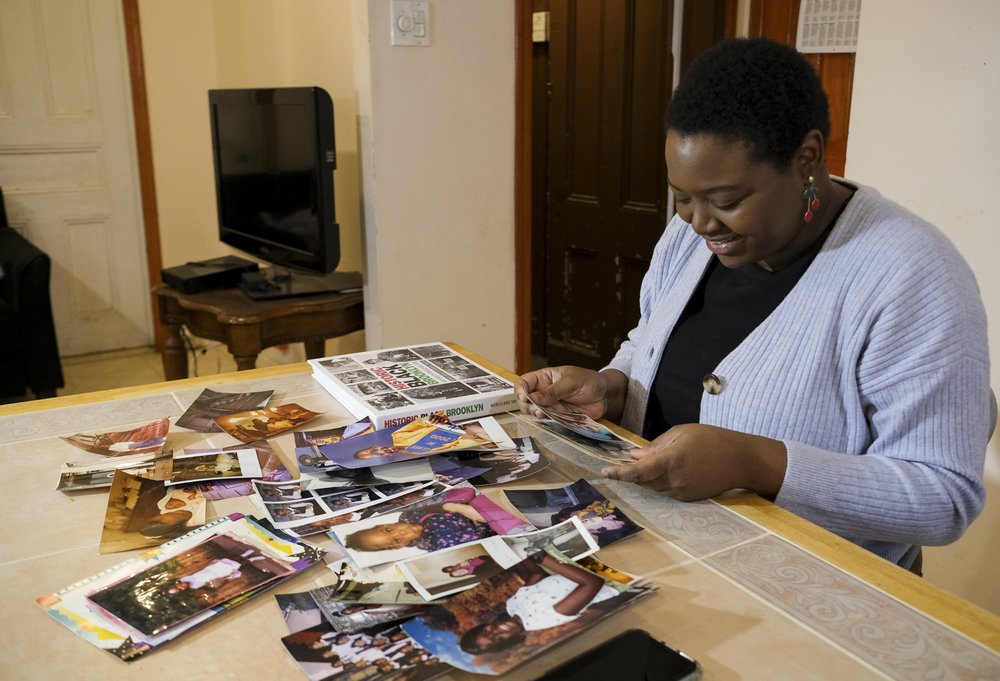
x: 325, y: 654
x: 257, y: 424
x: 214, y: 465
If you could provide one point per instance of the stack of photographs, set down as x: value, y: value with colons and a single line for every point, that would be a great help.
x: 143, y: 603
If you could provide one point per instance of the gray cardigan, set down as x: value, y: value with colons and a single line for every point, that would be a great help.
x: 874, y: 372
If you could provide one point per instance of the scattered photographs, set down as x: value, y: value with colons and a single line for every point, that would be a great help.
x: 352, y: 617
x: 512, y: 616
x: 298, y: 503
x: 75, y: 476
x: 200, y: 416
x: 458, y: 516
x: 217, y: 490
x: 142, y: 440
x: 547, y: 506
x: 143, y: 513
x: 452, y: 470
x: 214, y: 465
x: 418, y: 438
x: 257, y: 424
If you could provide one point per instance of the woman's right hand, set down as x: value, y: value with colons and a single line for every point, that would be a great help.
x: 596, y: 394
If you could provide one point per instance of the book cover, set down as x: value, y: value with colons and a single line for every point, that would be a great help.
x: 397, y: 385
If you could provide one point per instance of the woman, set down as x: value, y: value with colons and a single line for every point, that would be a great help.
x: 801, y: 336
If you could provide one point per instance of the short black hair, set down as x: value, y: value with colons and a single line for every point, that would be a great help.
x: 752, y: 90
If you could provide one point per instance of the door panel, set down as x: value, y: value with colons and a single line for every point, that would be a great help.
x: 67, y: 165
x: 610, y: 78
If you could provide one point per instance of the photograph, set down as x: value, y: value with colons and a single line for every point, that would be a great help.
x: 340, y: 363
x: 142, y: 440
x: 459, y: 368
x: 433, y: 351
x: 569, y: 537
x: 380, y: 652
x: 458, y: 516
x: 372, y: 593
x: 578, y: 422
x: 299, y: 611
x: 614, y: 451
x: 143, y: 513
x: 488, y: 384
x: 206, y: 575
x: 443, y: 573
x: 210, y: 403
x: 272, y: 468
x: 371, y: 388
x: 517, y: 614
x: 387, y: 401
x: 76, y: 476
x: 508, y: 465
x: 545, y: 507
x: 257, y: 424
x: 308, y: 442
x: 392, y: 356
x: 418, y: 438
x: 239, y: 463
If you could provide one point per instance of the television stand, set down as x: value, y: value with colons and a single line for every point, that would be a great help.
x: 271, y: 283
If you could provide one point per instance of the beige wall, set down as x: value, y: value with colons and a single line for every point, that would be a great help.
x: 429, y: 200
x: 923, y: 130
x: 439, y: 153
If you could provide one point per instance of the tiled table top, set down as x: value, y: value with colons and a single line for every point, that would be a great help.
x: 736, y: 594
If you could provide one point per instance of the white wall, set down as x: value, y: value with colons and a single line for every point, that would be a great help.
x: 923, y: 131
x: 438, y: 159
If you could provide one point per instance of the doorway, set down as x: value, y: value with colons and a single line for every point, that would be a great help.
x: 68, y: 166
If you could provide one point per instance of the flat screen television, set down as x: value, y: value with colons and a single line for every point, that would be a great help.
x: 274, y: 157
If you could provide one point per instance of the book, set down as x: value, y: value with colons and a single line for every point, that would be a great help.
x: 397, y: 385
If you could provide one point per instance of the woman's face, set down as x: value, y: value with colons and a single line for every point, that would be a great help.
x: 747, y: 211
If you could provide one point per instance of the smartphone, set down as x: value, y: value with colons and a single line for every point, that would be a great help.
x: 632, y: 655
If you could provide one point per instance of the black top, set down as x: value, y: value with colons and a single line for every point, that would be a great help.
x: 725, y: 308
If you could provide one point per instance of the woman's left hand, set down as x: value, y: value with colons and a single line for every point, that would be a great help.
x: 696, y: 461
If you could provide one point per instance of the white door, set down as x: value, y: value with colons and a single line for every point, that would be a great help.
x: 68, y: 165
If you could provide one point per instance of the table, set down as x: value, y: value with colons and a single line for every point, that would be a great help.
x: 748, y: 589
x: 248, y: 326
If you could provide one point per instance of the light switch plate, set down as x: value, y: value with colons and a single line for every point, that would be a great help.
x: 409, y: 23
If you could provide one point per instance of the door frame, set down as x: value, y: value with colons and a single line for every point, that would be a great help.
x: 144, y: 159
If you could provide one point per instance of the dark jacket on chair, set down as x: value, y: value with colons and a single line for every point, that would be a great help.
x: 29, y: 356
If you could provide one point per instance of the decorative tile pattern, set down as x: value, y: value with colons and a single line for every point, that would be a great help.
x: 88, y: 417
x: 887, y: 634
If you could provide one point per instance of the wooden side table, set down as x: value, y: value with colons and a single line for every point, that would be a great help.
x: 248, y: 326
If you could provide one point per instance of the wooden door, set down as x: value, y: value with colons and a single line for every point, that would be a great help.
x: 778, y: 20
x: 68, y: 165
x: 610, y: 74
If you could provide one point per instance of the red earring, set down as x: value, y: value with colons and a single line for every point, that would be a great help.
x: 811, y: 195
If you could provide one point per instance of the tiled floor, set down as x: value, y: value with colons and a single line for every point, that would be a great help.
x: 138, y: 366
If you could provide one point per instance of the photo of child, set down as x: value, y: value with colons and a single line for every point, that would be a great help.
x: 518, y: 613
x: 458, y: 516
x: 548, y: 506
x: 143, y: 513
